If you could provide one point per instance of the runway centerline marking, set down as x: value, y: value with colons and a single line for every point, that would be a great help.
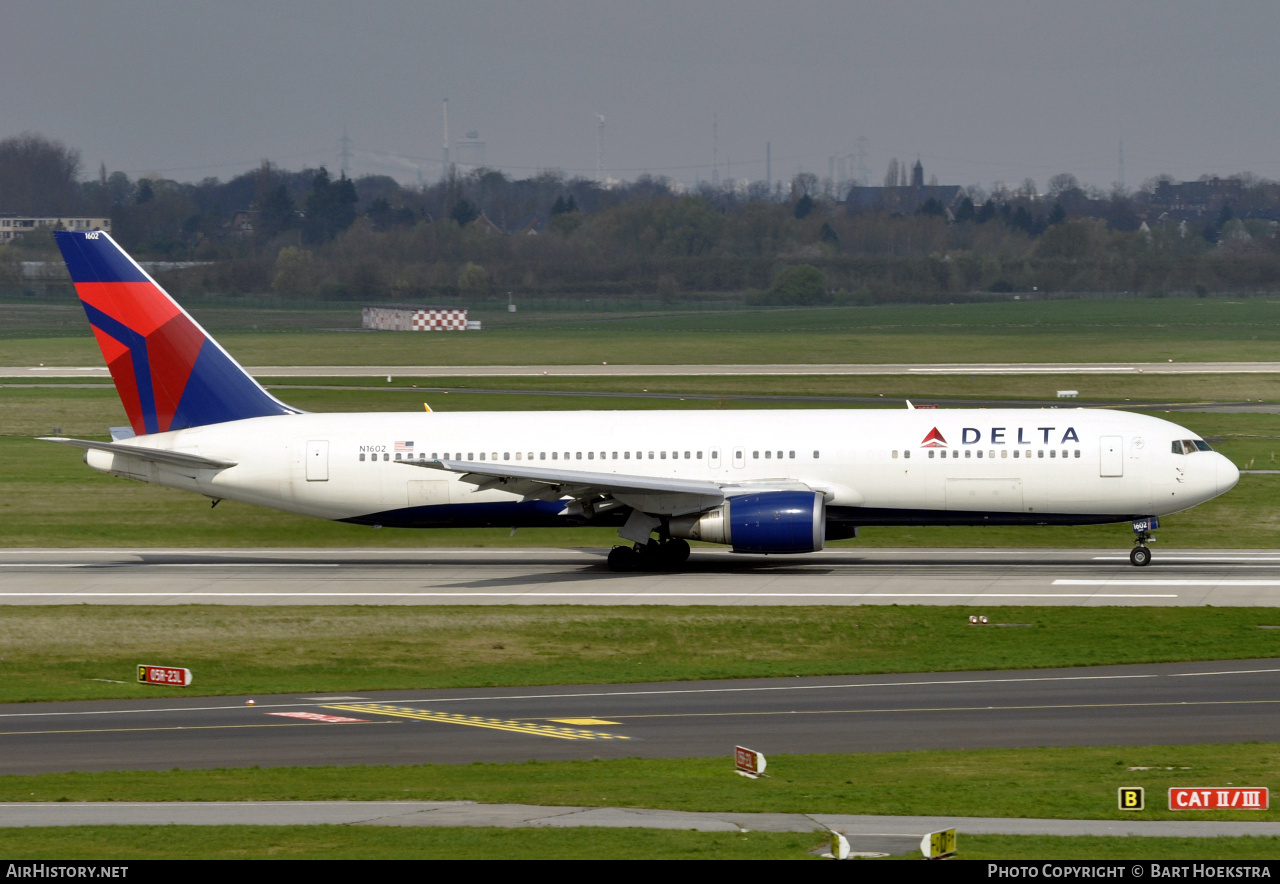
x: 497, y: 724
x: 1156, y: 581
x: 179, y: 727
x: 980, y: 708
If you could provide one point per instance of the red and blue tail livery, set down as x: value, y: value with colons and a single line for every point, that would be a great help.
x: 169, y: 372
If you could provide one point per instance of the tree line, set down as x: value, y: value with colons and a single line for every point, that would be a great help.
x: 308, y: 234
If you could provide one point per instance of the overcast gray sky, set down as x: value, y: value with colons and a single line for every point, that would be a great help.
x: 980, y: 90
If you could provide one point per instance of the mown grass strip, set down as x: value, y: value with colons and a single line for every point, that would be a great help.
x: 1035, y: 331
x: 122, y: 843
x: 394, y: 842
x: 58, y: 652
x: 1038, y: 783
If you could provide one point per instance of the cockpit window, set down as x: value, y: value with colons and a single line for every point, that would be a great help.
x: 1203, y: 445
x: 1177, y: 446
x: 1190, y: 446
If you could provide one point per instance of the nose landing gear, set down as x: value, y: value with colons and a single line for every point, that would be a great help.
x: 1140, y: 556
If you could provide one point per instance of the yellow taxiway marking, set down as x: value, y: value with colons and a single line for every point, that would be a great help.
x: 582, y: 721
x: 497, y: 724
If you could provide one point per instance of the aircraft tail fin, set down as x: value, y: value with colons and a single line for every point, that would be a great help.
x: 169, y: 372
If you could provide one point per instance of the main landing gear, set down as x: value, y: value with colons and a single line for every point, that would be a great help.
x: 1140, y: 556
x: 656, y: 555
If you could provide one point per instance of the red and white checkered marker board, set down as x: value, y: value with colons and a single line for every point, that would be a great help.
x: 415, y: 319
x: 440, y: 320
x: 1218, y: 798
x: 173, y: 676
x: 748, y: 761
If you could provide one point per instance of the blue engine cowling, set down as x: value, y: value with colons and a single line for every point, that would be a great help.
x: 777, y: 522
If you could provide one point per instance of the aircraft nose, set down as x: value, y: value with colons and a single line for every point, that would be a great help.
x: 1227, y: 474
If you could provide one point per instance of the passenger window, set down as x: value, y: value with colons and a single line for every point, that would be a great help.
x: 662, y: 455
x: 768, y: 455
x: 755, y: 455
x: 699, y: 455
x: 517, y: 455
x: 968, y: 453
x: 1004, y: 453
x: 650, y: 455
x: 506, y: 455
x: 495, y: 456
x: 1077, y: 452
x: 895, y: 455
x: 591, y: 455
x: 1053, y: 453
x: 397, y: 455
x: 686, y: 455
x: 482, y: 455
x: 386, y: 456
x: 579, y: 455
x: 615, y: 455
x: 555, y: 455
x: 991, y: 454
x: 793, y: 455
x: 362, y: 455
x: 542, y: 455
x: 904, y: 454
x: 815, y: 454
x: 1040, y: 453
x: 931, y: 453
x: 626, y: 455
x: 1015, y: 454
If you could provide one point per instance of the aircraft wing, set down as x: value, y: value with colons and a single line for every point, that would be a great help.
x: 492, y: 475
x: 157, y: 455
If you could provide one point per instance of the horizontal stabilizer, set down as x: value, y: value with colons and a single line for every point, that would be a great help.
x: 157, y: 455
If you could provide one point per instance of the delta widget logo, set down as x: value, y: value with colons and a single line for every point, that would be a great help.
x: 934, y: 440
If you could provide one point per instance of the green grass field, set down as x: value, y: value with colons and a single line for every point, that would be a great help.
x: 111, y: 843
x: 61, y: 652
x: 1038, y: 783
x: 1037, y: 331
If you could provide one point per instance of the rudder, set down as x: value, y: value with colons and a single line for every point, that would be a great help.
x: 169, y: 372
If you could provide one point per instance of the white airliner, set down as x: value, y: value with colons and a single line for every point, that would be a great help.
x: 759, y: 481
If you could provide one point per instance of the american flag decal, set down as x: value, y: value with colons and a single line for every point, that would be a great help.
x: 404, y: 446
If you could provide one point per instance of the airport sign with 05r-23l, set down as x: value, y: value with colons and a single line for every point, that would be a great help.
x: 174, y: 676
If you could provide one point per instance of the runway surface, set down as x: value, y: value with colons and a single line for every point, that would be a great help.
x: 1169, y: 704
x: 846, y: 576
x: 884, y: 834
x: 606, y: 370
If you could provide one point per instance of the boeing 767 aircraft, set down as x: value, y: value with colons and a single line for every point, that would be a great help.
x: 759, y: 481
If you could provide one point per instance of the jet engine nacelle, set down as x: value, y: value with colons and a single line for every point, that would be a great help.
x: 771, y: 522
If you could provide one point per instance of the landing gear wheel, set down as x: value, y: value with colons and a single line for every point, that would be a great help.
x: 675, y: 552
x: 622, y: 559
x: 1140, y: 556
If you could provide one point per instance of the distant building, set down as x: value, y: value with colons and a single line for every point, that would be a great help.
x: 242, y: 222
x: 904, y: 200
x: 1208, y: 195
x: 417, y: 319
x: 12, y: 226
